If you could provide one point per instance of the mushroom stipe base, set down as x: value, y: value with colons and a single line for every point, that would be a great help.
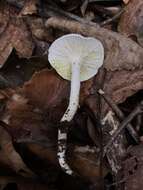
x: 62, y: 146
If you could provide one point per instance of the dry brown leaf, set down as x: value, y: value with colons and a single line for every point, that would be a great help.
x: 48, y: 91
x: 24, y: 120
x: 14, y: 34
x: 10, y: 158
x: 21, y: 38
x: 131, y: 22
x: 130, y: 82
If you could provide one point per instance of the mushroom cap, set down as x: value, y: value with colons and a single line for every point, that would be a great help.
x: 71, y: 48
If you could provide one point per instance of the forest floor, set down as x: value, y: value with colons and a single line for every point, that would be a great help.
x: 105, y: 137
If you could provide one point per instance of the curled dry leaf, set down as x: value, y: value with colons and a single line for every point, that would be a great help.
x: 10, y: 157
x: 131, y: 22
x: 14, y: 34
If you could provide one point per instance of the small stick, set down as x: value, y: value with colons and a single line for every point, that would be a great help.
x: 116, y: 183
x: 116, y: 16
x: 59, y: 11
x: 120, y: 115
x: 135, y: 112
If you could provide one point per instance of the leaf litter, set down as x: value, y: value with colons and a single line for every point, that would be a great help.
x: 33, y: 97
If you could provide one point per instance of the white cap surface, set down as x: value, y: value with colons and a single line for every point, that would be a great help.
x: 70, y: 48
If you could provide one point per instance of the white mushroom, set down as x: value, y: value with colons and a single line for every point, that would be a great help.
x: 75, y: 58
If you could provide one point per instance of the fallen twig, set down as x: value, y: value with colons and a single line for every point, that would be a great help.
x: 126, y: 121
x: 120, y: 115
x: 108, y: 21
x: 53, y: 10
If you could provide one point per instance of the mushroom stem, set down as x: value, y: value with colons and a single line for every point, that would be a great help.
x: 74, y: 93
x: 68, y: 116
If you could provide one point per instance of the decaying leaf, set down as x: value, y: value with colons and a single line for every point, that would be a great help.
x: 49, y: 95
x: 14, y: 34
x: 130, y: 82
x: 24, y: 120
x: 131, y: 22
x: 10, y: 157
